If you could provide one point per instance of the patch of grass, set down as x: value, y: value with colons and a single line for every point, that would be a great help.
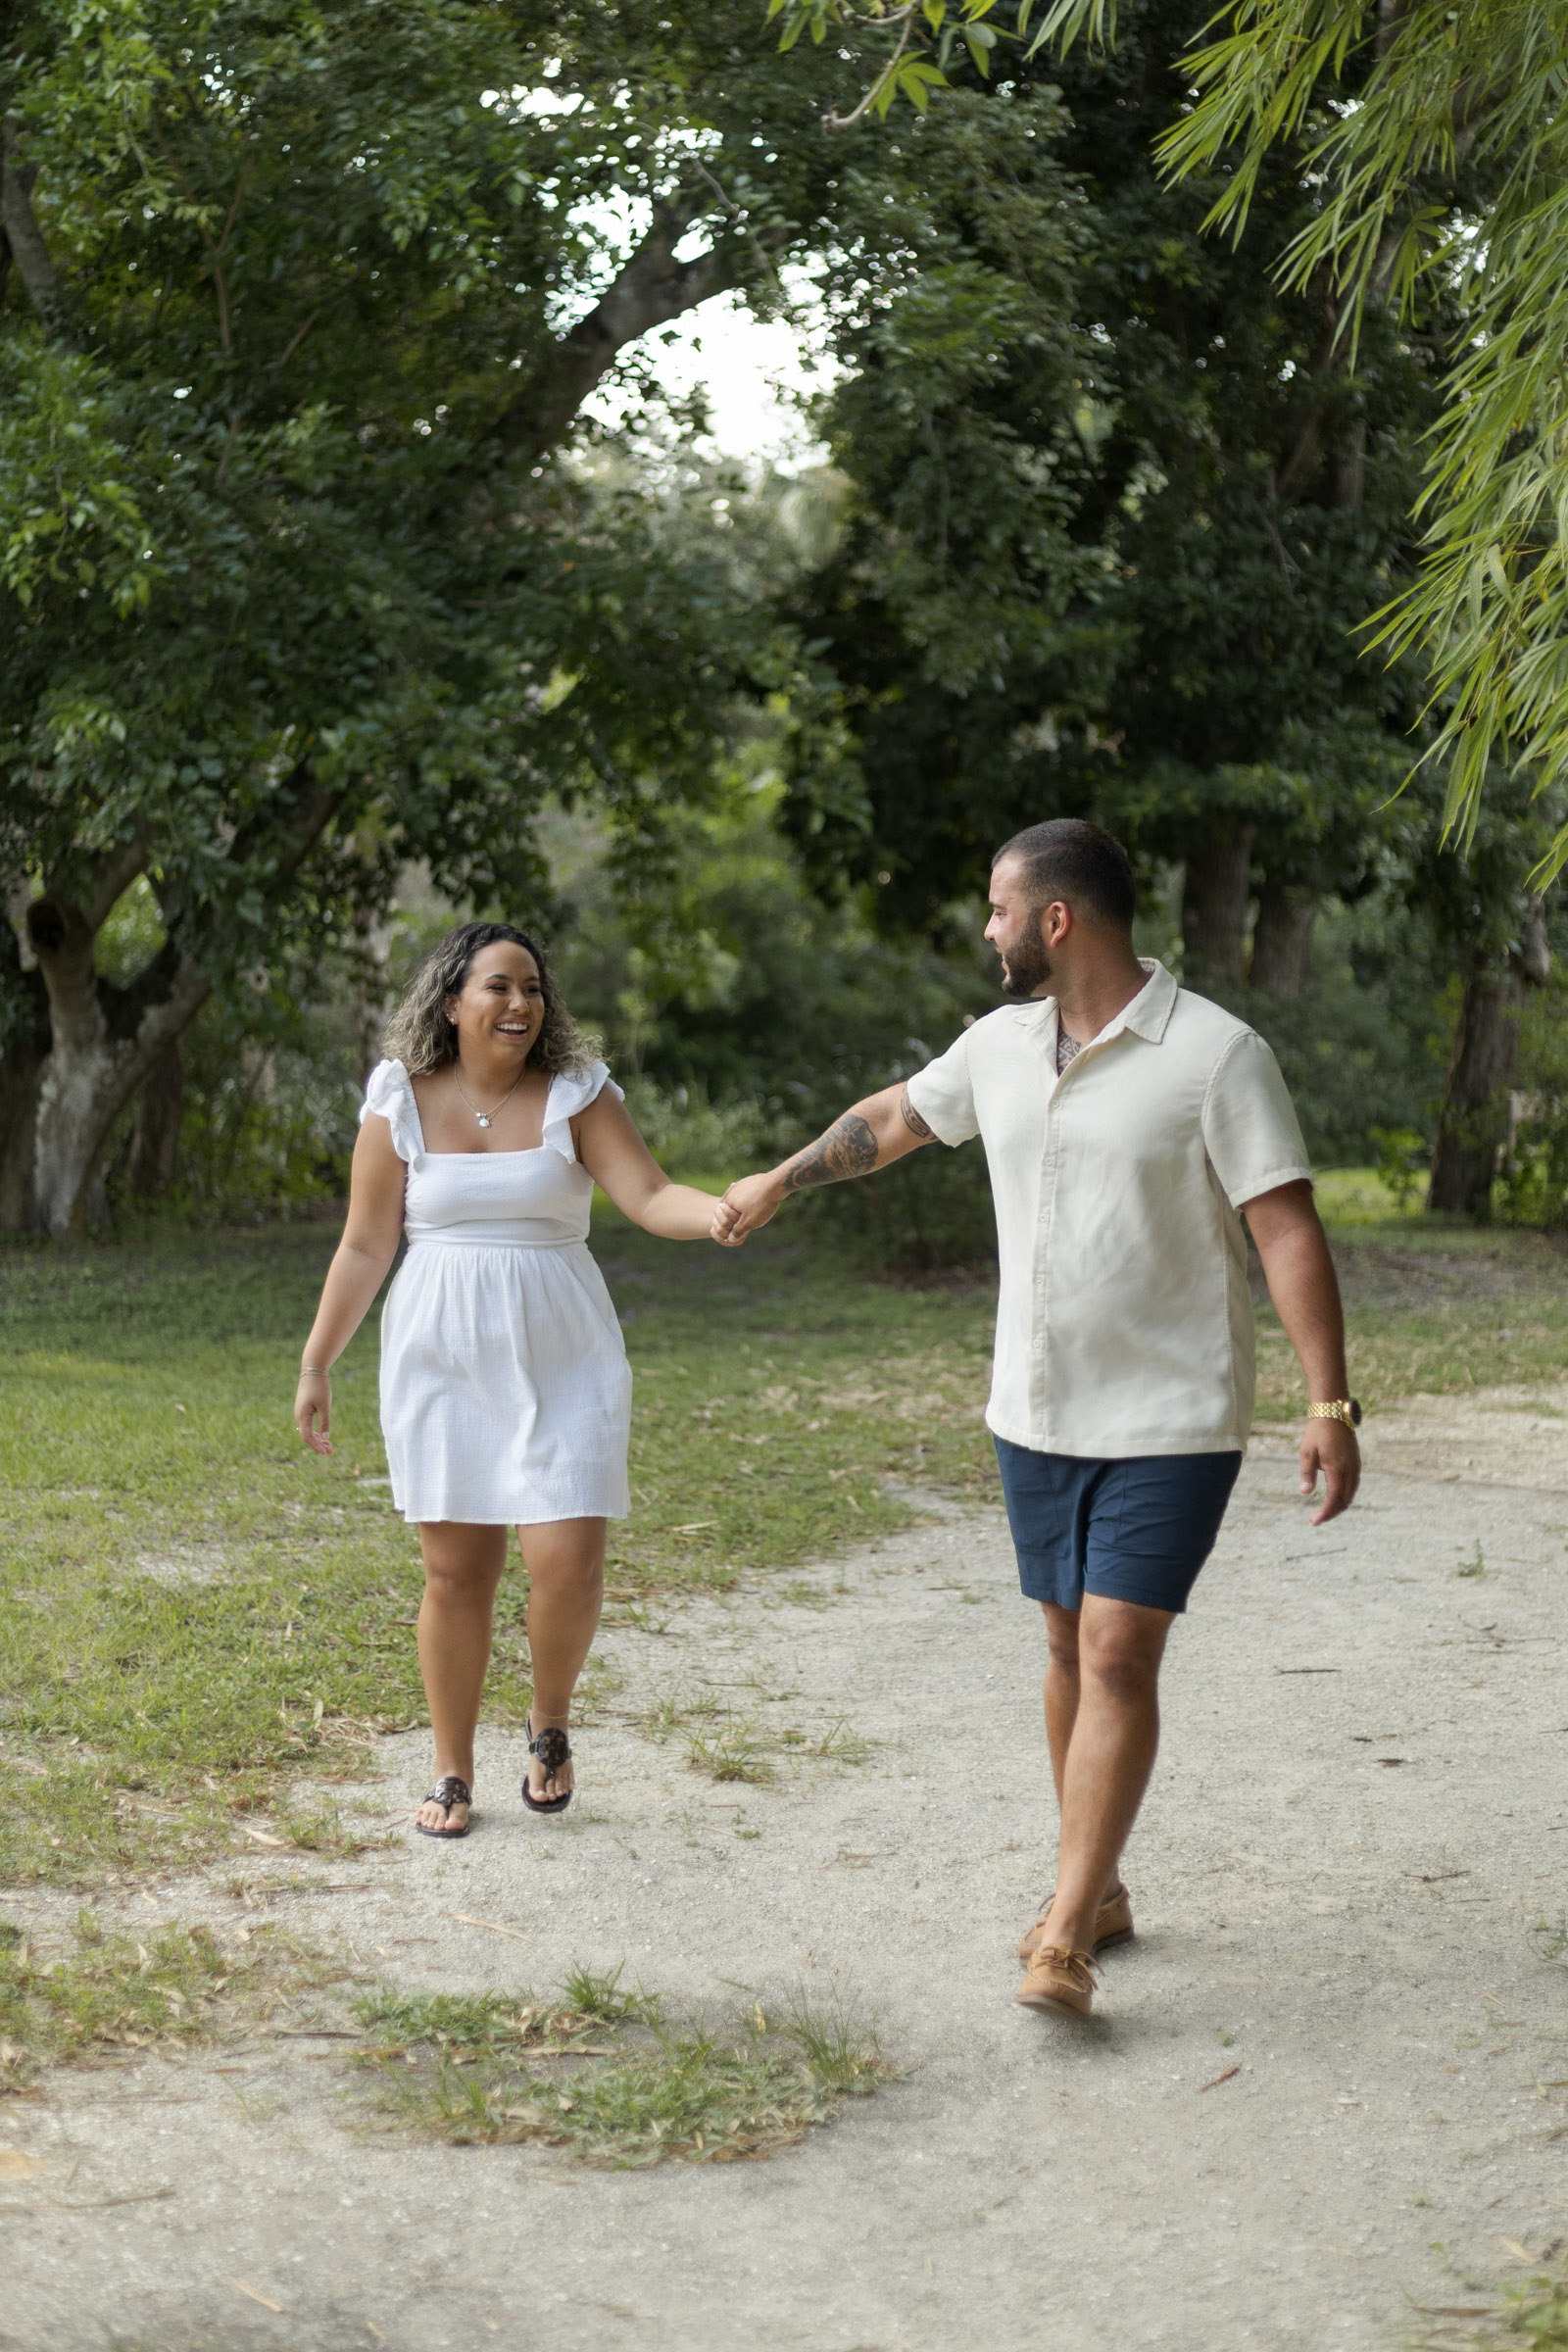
x: 839, y: 1745
x: 733, y: 1751
x: 196, y: 1616
x: 462, y: 2026
x: 1550, y: 1937
x: 732, y: 1746
x: 595, y: 1994
x: 672, y: 1713
x: 322, y: 1829
x: 1433, y: 1307
x: 613, y: 2083
x: 1529, y: 2317
x: 113, y: 1992
x: 806, y: 1592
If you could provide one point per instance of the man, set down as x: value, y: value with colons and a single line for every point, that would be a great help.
x: 1127, y: 1124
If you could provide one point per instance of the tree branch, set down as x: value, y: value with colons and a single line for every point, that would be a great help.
x: 28, y: 251
x: 116, y: 874
x: 291, y: 823
x: 650, y: 290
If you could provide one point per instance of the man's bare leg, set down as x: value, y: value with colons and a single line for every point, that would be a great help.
x: 1103, y: 1722
x: 1064, y: 1686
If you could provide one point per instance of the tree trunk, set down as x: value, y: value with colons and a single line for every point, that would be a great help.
x: 1282, y: 940
x: 1473, y: 1123
x: 1214, y: 896
x: 104, y: 1043
x: 23, y: 1050
x: 156, y: 1139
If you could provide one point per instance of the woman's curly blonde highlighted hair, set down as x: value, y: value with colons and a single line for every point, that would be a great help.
x: 421, y: 1036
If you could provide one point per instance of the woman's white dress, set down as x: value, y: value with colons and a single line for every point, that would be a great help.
x: 506, y: 1394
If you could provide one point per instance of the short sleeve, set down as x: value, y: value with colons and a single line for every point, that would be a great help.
x: 1251, y: 1130
x: 389, y: 1092
x: 570, y: 1093
x: 944, y: 1095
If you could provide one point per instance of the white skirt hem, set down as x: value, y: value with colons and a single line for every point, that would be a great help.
x: 533, y: 1512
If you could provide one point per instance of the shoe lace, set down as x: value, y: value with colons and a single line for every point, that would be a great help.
x: 1079, y: 1967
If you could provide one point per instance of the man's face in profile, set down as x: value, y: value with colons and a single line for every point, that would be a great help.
x: 1014, y: 932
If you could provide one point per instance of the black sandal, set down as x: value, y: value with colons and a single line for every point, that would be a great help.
x: 552, y: 1749
x: 447, y: 1793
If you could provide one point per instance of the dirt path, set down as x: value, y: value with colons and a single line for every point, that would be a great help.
x: 1348, y: 1932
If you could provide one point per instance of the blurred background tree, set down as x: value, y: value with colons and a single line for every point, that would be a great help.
x: 1178, y: 507
x: 330, y: 612
x: 298, y: 311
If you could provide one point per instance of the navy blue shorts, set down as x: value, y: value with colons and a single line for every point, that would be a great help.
x: 1137, y: 1530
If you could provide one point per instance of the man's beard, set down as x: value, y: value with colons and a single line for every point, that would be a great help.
x: 1025, y: 968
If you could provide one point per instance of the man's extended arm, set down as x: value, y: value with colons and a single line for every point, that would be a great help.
x: 870, y: 1135
x: 1294, y: 1248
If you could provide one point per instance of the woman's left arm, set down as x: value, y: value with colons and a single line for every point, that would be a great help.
x: 621, y: 1164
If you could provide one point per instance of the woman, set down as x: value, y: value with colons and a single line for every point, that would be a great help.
x: 505, y: 1395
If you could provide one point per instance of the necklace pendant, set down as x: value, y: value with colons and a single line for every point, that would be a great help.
x: 482, y: 1119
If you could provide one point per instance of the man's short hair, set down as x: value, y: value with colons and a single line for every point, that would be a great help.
x: 1067, y: 857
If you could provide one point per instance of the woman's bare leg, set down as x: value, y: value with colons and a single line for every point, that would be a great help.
x: 463, y: 1567
x: 566, y: 1563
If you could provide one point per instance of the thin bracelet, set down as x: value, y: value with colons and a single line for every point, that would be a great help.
x: 320, y: 1371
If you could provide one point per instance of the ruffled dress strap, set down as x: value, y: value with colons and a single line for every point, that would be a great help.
x: 389, y: 1093
x: 570, y: 1093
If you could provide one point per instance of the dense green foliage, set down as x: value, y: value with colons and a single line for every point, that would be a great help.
x: 1112, y: 531
x: 329, y: 612
x: 299, y: 312
x: 1434, y: 139
x: 1117, y: 515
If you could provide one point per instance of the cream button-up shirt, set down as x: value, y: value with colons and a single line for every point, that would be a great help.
x: 1124, y: 1323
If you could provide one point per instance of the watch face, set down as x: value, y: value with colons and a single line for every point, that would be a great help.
x: 1355, y: 1413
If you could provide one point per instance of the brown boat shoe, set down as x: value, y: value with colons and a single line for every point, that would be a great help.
x: 1114, y: 1924
x: 1058, y: 1979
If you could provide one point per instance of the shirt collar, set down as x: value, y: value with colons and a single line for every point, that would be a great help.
x: 1149, y: 1013
x: 1147, y: 1016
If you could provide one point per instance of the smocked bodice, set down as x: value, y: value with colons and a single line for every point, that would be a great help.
x: 529, y: 1199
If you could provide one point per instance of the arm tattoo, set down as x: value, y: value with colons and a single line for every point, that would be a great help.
x: 913, y: 1119
x: 849, y: 1148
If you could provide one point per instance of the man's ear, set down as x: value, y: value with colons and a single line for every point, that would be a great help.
x: 1055, y: 921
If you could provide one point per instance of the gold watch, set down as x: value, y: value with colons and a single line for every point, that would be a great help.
x: 1342, y: 1408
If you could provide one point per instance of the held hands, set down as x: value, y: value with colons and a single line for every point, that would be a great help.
x: 313, y: 1411
x: 1330, y: 1446
x: 749, y: 1204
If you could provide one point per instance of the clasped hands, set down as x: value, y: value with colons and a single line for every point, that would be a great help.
x: 748, y: 1203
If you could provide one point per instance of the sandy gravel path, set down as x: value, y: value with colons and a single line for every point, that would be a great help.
x: 1359, y: 1814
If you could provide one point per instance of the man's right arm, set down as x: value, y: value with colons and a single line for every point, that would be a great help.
x: 870, y: 1135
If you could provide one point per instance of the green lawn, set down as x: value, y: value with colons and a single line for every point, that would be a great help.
x: 199, y: 1617
x: 1432, y: 1304
x: 197, y: 1612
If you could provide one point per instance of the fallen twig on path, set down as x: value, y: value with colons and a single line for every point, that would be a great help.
x: 494, y: 1924
x: 256, y: 2295
x: 132, y: 2197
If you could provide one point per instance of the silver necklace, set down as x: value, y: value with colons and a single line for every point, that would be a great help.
x: 484, y: 1117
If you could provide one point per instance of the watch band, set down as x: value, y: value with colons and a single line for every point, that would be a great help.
x: 1339, y: 1408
